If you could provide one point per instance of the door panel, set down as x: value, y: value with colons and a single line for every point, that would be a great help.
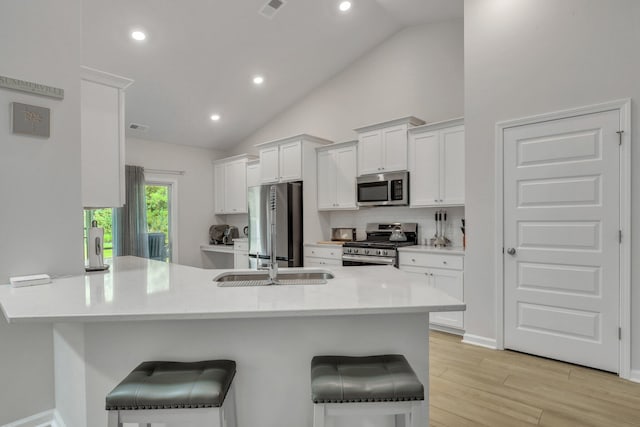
x: 561, y: 215
x: 369, y: 152
x: 395, y: 148
x: 452, y: 169
x: 345, y: 177
x: 424, y: 164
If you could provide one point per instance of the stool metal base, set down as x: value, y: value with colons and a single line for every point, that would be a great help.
x: 224, y: 416
x: 413, y: 413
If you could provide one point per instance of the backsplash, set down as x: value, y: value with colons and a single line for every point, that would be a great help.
x: 425, y: 217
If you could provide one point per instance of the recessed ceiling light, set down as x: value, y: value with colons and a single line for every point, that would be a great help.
x: 138, y: 35
x: 215, y: 117
x: 258, y: 80
x: 344, y: 6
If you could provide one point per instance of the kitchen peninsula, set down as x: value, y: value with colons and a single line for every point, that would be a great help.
x: 107, y: 323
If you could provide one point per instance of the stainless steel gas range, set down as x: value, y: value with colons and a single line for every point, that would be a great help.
x: 381, y: 245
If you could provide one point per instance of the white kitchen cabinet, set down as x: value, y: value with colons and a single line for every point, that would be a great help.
x: 241, y: 254
x: 440, y: 271
x: 383, y: 147
x: 230, y: 185
x: 102, y: 138
x: 253, y: 173
x: 322, y: 255
x: 282, y: 160
x: 337, y: 166
x: 436, y: 164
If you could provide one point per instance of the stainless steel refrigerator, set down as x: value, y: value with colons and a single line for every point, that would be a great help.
x: 288, y: 224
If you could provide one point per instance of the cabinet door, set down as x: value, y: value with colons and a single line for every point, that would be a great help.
x: 451, y: 283
x: 241, y: 260
x: 326, y: 181
x: 370, y: 152
x: 291, y: 161
x: 102, y: 145
x: 235, y: 187
x: 269, y: 171
x: 424, y: 169
x: 452, y: 165
x: 253, y: 174
x: 345, y: 162
x: 219, y: 188
x: 394, y: 142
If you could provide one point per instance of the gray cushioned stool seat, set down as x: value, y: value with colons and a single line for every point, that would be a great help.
x: 166, y: 385
x: 386, y: 378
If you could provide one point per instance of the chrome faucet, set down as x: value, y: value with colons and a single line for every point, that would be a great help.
x: 273, y: 263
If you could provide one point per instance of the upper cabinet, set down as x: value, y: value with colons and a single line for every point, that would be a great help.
x: 383, y: 147
x: 436, y: 164
x: 230, y: 185
x: 253, y: 173
x: 337, y: 166
x: 102, y: 138
x: 283, y: 160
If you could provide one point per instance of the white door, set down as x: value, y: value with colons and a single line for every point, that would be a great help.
x: 291, y: 161
x: 562, y: 253
x: 370, y: 152
x: 452, y: 166
x: 345, y: 174
x: 424, y: 167
x: 253, y: 174
x: 269, y: 160
x: 219, y: 188
x: 451, y: 283
x: 326, y: 180
x: 236, y: 187
x: 395, y: 148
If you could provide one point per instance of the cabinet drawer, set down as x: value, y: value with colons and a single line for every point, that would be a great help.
x: 416, y: 259
x: 321, y: 262
x: 241, y: 246
x: 318, y: 252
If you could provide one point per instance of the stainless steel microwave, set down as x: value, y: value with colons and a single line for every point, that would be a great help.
x: 383, y: 189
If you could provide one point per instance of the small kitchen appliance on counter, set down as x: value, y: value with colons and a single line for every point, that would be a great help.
x: 343, y: 234
x: 95, y: 242
x: 379, y: 248
x: 216, y: 234
x: 230, y: 234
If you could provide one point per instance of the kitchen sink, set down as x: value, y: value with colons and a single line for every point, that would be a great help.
x: 261, y: 278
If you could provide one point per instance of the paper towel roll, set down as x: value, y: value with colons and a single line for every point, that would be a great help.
x: 96, y: 239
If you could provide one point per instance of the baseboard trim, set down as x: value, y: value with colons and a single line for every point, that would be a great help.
x: 635, y: 376
x: 446, y: 329
x: 480, y: 341
x: 43, y: 419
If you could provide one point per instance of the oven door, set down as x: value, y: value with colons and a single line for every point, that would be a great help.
x: 359, y: 260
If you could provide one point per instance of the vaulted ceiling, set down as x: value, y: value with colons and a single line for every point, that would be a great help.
x: 200, y: 56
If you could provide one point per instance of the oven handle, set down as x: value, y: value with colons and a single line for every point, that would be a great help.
x: 370, y: 259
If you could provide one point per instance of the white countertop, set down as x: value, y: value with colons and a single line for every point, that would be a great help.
x: 142, y: 289
x: 450, y: 250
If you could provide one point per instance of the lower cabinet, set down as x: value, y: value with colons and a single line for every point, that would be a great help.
x: 241, y: 255
x: 443, y: 272
x: 319, y: 256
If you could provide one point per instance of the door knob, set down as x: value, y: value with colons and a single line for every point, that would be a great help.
x: 511, y: 251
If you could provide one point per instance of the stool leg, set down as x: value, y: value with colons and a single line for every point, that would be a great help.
x: 419, y: 414
x: 319, y: 415
x: 229, y: 407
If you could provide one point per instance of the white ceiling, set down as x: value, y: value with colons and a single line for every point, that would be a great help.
x: 200, y: 56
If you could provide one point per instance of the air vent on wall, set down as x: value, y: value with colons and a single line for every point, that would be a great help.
x: 269, y: 10
x: 138, y: 127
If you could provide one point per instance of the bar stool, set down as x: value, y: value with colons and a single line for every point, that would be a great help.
x: 199, y: 393
x: 373, y: 385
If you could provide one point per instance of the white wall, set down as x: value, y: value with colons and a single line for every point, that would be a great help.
x: 417, y: 71
x: 41, y: 214
x: 195, y: 189
x: 524, y: 57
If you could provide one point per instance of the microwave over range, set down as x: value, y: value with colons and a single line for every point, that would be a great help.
x: 383, y: 189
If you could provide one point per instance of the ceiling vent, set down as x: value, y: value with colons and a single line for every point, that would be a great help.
x: 269, y: 10
x: 138, y: 127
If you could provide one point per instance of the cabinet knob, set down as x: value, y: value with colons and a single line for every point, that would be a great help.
x: 413, y: 260
x: 511, y: 251
x: 444, y: 262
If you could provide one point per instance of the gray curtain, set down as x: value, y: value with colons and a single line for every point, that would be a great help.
x: 130, y: 221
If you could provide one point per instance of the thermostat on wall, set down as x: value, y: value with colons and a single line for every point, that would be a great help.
x: 36, y: 279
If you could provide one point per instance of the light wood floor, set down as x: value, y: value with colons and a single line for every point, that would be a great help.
x: 473, y: 386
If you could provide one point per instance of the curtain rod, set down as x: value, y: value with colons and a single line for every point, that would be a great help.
x: 164, y: 171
